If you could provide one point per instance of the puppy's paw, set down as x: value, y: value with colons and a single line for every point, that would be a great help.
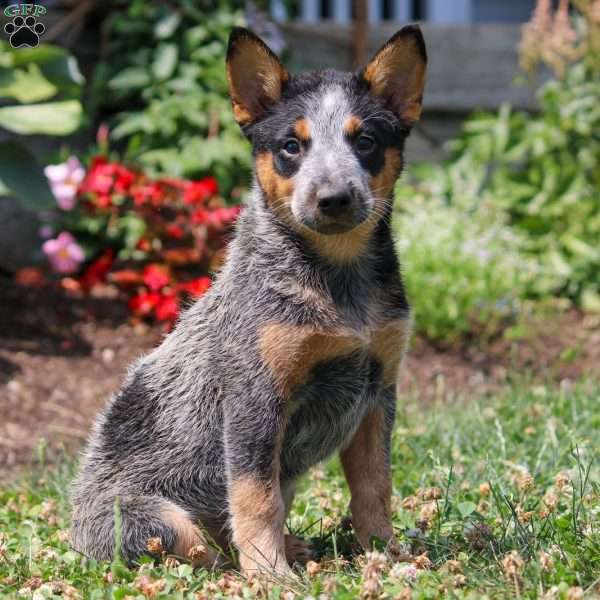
x: 298, y: 550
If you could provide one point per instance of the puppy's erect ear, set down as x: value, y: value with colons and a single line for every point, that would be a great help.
x: 397, y: 73
x: 255, y: 75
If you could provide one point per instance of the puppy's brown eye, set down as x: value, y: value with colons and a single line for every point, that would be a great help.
x: 292, y: 147
x: 365, y: 143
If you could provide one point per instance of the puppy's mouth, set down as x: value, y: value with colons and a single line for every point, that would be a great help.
x: 325, y: 225
x: 331, y: 228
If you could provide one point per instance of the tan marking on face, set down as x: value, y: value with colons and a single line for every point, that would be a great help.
x: 343, y: 247
x: 352, y: 125
x: 302, y: 130
x: 291, y: 352
x: 383, y: 183
x: 187, y: 535
x: 277, y: 189
x: 368, y: 475
x: 241, y: 114
x: 388, y: 346
x: 257, y: 515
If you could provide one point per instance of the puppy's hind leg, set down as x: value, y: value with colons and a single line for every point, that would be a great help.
x: 148, y: 524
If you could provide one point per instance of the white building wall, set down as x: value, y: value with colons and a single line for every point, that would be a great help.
x: 441, y: 12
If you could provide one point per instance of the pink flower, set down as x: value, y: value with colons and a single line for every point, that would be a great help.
x: 45, y: 231
x: 64, y: 181
x: 64, y: 254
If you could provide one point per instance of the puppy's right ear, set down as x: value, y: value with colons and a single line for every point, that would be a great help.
x: 255, y: 75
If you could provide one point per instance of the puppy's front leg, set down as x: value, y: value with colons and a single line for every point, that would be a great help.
x: 366, y: 463
x: 253, y: 432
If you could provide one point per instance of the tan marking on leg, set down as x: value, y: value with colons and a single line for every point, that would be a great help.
x: 352, y: 125
x: 369, y: 479
x: 382, y: 184
x: 291, y: 351
x: 277, y: 189
x: 257, y: 514
x: 302, y: 129
x: 388, y: 345
x: 190, y: 542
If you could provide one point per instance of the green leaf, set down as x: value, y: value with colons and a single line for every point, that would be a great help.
x: 131, y: 78
x: 590, y: 301
x: 50, y: 118
x: 132, y: 228
x: 57, y: 65
x: 466, y: 508
x: 165, y: 61
x: 28, y: 85
x: 166, y: 26
x: 23, y: 177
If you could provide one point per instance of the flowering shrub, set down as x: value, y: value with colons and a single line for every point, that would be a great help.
x: 162, y: 83
x: 513, y: 214
x: 464, y: 269
x: 153, y: 240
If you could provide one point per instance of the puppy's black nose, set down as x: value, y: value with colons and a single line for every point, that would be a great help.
x: 334, y: 205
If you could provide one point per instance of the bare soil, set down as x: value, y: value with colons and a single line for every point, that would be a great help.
x: 61, y: 357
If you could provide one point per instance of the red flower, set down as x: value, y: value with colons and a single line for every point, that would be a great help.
x: 175, y: 231
x: 200, y: 217
x: 144, y: 245
x: 124, y: 179
x: 151, y: 193
x: 96, y: 272
x: 156, y: 276
x: 104, y: 179
x: 103, y: 200
x: 99, y: 178
x: 97, y: 161
x: 143, y: 303
x: 196, y: 287
x: 167, y: 308
x: 199, y: 191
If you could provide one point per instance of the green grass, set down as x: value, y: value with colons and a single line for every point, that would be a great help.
x: 499, y: 497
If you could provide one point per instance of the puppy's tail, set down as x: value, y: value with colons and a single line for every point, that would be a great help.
x: 132, y: 525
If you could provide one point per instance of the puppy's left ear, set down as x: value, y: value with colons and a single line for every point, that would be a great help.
x: 397, y: 73
x: 255, y: 75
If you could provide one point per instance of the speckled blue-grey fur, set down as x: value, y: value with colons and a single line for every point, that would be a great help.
x: 204, y: 408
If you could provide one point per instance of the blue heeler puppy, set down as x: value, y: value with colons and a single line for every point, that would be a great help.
x: 294, y: 352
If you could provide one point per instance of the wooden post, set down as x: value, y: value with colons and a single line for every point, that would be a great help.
x: 360, y: 37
